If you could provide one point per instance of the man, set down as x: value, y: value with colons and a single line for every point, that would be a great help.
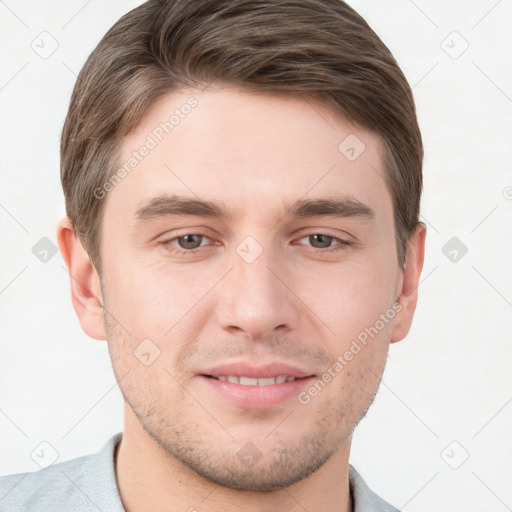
x: 242, y: 184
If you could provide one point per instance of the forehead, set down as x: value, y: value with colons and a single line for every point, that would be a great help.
x: 251, y: 151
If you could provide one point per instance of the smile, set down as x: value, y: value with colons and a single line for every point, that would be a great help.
x: 252, y: 381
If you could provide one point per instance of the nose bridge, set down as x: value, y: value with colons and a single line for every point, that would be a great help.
x: 253, y: 298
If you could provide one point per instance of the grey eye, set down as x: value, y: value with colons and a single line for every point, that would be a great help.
x: 320, y: 241
x: 190, y: 241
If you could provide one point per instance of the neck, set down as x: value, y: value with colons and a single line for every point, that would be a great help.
x: 150, y: 479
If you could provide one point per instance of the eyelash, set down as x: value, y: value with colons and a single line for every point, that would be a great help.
x: 342, y: 244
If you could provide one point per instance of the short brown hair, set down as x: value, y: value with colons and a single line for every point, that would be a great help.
x: 321, y: 49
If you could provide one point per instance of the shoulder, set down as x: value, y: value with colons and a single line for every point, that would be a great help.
x: 42, y: 490
x: 71, y: 486
x: 364, y: 499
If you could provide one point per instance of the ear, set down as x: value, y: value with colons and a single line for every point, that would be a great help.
x: 85, y: 282
x: 407, y: 291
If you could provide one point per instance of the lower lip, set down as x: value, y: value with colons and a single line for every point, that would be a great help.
x: 257, y: 397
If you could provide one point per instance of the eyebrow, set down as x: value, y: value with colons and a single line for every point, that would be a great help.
x: 167, y: 205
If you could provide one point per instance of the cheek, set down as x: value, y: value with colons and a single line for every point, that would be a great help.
x: 152, y: 299
x: 351, y: 296
x: 155, y: 300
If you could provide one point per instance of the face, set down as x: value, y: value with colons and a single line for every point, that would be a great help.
x: 247, y: 246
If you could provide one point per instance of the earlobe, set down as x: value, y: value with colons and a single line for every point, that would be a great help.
x: 407, y: 293
x: 85, y: 282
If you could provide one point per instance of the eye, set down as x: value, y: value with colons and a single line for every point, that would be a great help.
x: 189, y: 241
x: 324, y: 242
x: 185, y: 244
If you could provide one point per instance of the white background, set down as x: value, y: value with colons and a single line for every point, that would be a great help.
x: 450, y: 381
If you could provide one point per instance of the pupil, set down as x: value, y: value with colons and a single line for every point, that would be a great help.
x: 325, y: 243
x: 188, y: 241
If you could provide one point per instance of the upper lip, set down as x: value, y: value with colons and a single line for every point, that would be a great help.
x: 273, y: 369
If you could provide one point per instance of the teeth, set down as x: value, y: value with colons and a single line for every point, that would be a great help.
x: 248, y: 381
x: 252, y: 381
x: 266, y: 381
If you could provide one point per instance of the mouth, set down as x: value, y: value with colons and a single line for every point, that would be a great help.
x: 250, y: 387
x: 255, y: 381
x: 248, y: 374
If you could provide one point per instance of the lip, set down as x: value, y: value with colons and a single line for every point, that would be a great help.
x: 273, y: 369
x: 256, y: 397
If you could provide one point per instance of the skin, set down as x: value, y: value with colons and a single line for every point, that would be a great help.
x: 296, y: 303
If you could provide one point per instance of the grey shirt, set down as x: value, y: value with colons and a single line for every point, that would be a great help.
x: 88, y: 484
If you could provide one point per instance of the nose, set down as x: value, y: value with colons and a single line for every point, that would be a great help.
x: 257, y: 298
